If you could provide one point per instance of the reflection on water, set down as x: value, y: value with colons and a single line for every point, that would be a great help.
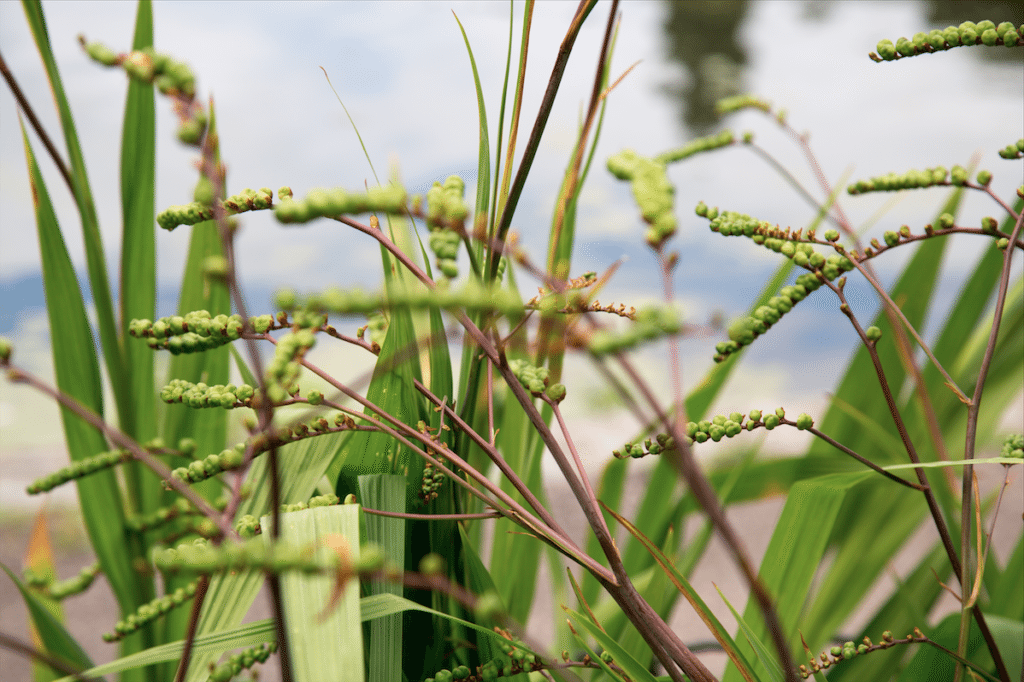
x: 704, y: 37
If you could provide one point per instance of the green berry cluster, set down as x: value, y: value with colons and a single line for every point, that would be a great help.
x: 248, y: 527
x: 697, y: 146
x: 201, y: 556
x: 243, y: 660
x: 648, y: 324
x: 61, y: 589
x: 194, y: 332
x: 727, y: 426
x: 200, y: 395
x: 652, y: 191
x: 1013, y: 151
x: 967, y: 33
x: 473, y: 297
x: 731, y: 104
x: 201, y: 209
x: 147, y: 613
x: 1013, y: 446
x: 79, y: 469
x: 320, y: 202
x: 446, y: 205
x: 850, y: 650
x: 159, y: 517
x: 431, y: 482
x: 536, y: 380
x: 170, y: 77
x: 445, y: 245
x: 891, y: 182
x: 314, y: 502
x: 211, y: 465
x: 284, y: 370
x: 514, y: 659
x: 458, y: 673
x: 744, y: 330
x: 6, y: 348
x: 655, y: 446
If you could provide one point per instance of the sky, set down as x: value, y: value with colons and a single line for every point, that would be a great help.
x: 402, y: 70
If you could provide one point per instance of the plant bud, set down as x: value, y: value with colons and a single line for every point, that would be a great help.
x: 873, y: 333
x: 990, y: 37
x: 804, y: 422
x: 984, y: 178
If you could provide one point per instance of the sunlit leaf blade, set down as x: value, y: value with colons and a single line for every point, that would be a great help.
x: 39, y: 560
x: 794, y: 552
x: 764, y: 654
x: 55, y: 639
x: 138, y: 263
x: 229, y: 597
x: 99, y: 283
x: 78, y: 375
x: 385, y: 492
x: 326, y: 639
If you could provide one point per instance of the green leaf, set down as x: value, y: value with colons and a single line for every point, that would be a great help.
x: 483, y: 168
x: 55, y: 639
x: 138, y: 266
x: 99, y: 283
x: 684, y: 587
x: 622, y: 658
x: 385, y: 492
x: 325, y: 639
x: 764, y: 654
x: 78, y: 375
x: 796, y: 549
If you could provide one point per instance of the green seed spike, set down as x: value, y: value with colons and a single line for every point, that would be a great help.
x: 79, y: 469
x: 151, y: 611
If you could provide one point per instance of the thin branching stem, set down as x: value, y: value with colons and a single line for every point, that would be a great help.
x: 933, y: 506
x: 706, y: 497
x: 970, y: 444
x: 121, y: 440
x: 860, y: 458
x: 33, y: 120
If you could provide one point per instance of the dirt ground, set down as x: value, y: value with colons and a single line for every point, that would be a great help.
x: 93, y: 613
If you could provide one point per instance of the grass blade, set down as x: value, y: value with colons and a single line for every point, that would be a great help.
x: 387, y: 493
x: 764, y: 654
x: 328, y: 647
x: 55, y: 639
x: 483, y: 167
x: 78, y: 375
x: 138, y: 263
x: 99, y: 283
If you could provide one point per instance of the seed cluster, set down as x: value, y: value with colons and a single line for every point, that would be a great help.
x: 201, y: 556
x: 200, y: 395
x: 79, y: 469
x: 472, y: 297
x: 967, y: 33
x: 243, y: 660
x: 284, y: 370
x: 314, y: 502
x: 918, y: 179
x: 727, y: 105
x: 201, y: 209
x: 61, y: 589
x: 850, y: 650
x: 194, y: 332
x: 147, y: 613
x: 648, y: 180
x: 446, y: 209
x: 659, y: 444
x: 1013, y: 446
x: 648, y: 324
x: 1013, y: 151
x: 320, y: 202
x: 170, y: 76
x: 727, y: 426
x: 536, y: 380
x: 513, y: 660
x: 211, y: 465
